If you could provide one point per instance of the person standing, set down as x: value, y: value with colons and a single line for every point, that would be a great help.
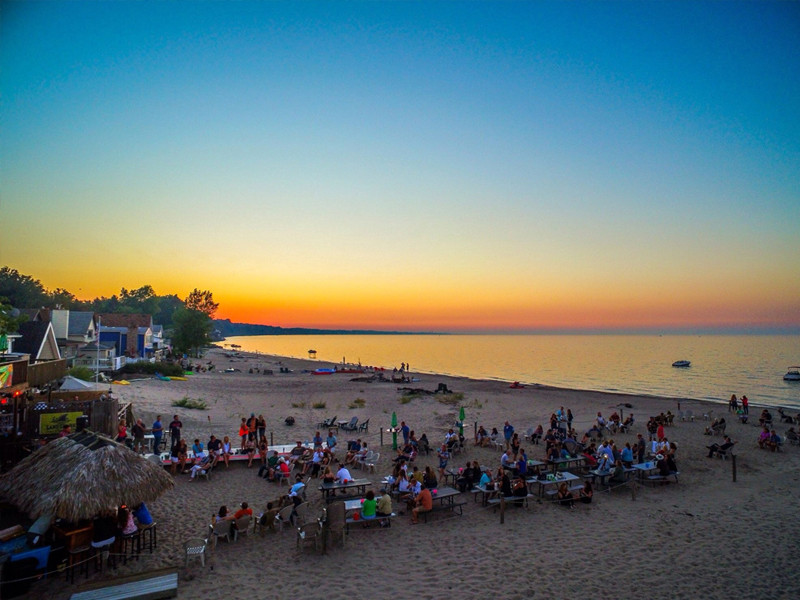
x: 261, y: 426
x: 138, y: 436
x: 745, y: 405
x: 175, y: 431
x: 158, y: 433
x: 405, y: 430
x: 508, y: 432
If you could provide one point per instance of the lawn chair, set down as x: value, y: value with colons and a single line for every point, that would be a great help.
x: 708, y: 415
x: 220, y: 529
x: 284, y: 517
x: 718, y: 429
x: 351, y: 426
x: 364, y: 426
x: 195, y: 548
x: 303, y: 514
x: 794, y: 439
x: 370, y: 464
x: 241, y: 526
x: 688, y: 416
x: 310, y: 532
x: 326, y: 424
x: 362, y: 461
x: 529, y: 434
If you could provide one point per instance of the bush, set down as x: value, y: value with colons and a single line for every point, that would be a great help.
x: 318, y: 405
x: 149, y: 368
x: 187, y: 402
x: 357, y: 403
x: 84, y: 373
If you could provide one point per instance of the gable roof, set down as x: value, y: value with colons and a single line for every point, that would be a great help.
x: 123, y: 320
x: 35, y: 335
x: 79, y: 322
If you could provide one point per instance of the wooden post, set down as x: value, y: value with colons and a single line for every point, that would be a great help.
x: 271, y: 440
x: 733, y: 467
x: 632, y: 485
x: 502, y: 510
x: 381, y: 436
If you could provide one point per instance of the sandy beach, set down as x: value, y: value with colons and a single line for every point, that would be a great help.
x: 706, y: 536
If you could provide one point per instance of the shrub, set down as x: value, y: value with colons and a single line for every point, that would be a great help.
x: 298, y: 404
x: 357, y: 403
x: 152, y: 368
x: 318, y: 405
x: 187, y: 402
x: 84, y: 373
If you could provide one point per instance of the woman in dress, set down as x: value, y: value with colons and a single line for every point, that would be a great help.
x: 122, y: 432
x: 227, y: 451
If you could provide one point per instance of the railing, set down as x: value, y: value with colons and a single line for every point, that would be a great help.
x: 105, y: 364
x: 44, y: 372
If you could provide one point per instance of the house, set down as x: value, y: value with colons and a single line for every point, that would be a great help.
x: 103, y: 358
x: 37, y: 339
x: 73, y: 329
x: 131, y: 335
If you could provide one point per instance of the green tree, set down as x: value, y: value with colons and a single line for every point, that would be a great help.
x: 62, y: 298
x: 191, y: 330
x: 142, y: 300
x: 22, y: 291
x: 202, y: 301
x: 167, y: 305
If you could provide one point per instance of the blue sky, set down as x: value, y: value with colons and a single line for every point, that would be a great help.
x: 611, y: 164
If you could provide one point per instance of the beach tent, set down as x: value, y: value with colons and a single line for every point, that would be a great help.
x: 73, y: 384
x: 81, y: 475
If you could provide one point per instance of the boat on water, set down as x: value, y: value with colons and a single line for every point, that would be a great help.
x: 682, y: 363
x: 793, y: 374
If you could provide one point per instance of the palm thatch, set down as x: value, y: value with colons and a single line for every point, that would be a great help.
x: 80, y: 476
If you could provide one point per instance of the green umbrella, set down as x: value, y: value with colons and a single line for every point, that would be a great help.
x: 461, y: 417
x: 394, y: 431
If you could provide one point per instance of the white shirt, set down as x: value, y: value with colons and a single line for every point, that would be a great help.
x: 343, y: 474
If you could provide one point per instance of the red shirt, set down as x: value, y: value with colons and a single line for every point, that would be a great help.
x: 242, y: 512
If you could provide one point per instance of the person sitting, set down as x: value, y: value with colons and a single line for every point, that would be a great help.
x: 197, y: 449
x: 626, y: 455
x: 314, y: 464
x: 202, y: 466
x: 662, y: 465
x: 297, y: 453
x: 297, y: 490
x: 328, y: 476
x: 424, y: 503
x: 214, y: 449
x: 586, y: 493
x: 763, y: 438
x: 384, y: 509
x: 267, y: 519
x: 765, y: 420
x: 481, y: 437
x: 519, y: 489
x: 243, y: 510
x: 429, y: 478
x: 720, y: 448
x: 343, y: 475
x: 272, y: 461
x: 331, y: 441
x: 369, y: 507
x: 465, y: 479
x: 507, y: 459
x: 282, y: 470
x: 494, y: 437
x: 423, y: 445
x: 537, y: 435
x: 226, y: 451
x: 618, y: 475
x: 774, y: 442
x: 143, y: 516
x: 403, y: 488
x: 565, y: 497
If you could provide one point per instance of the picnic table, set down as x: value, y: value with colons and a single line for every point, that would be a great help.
x: 329, y: 489
x: 644, y: 469
x: 444, y: 498
x: 558, y: 479
x: 566, y: 462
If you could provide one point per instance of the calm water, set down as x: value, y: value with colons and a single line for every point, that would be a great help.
x: 640, y: 364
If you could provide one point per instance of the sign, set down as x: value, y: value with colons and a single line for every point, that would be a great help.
x: 6, y: 373
x: 52, y: 423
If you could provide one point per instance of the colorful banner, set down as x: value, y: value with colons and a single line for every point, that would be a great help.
x: 6, y: 373
x: 52, y: 423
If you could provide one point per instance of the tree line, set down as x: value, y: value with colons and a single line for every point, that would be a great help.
x: 188, y: 321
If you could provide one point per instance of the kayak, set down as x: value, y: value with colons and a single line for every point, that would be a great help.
x: 173, y: 378
x: 122, y: 382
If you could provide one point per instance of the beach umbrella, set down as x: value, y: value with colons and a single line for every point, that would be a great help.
x: 394, y: 430
x: 461, y: 417
x: 79, y: 476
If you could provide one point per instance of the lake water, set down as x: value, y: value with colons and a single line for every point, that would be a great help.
x: 639, y: 364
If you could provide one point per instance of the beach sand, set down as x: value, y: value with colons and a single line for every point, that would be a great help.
x: 705, y: 537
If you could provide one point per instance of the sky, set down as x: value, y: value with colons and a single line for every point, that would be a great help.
x: 437, y: 166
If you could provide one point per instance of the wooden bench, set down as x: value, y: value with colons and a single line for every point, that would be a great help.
x: 662, y: 478
x: 453, y: 506
x: 152, y: 588
x: 366, y: 522
x: 495, y: 502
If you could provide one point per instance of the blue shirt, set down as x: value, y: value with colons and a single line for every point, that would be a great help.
x: 143, y: 515
x: 158, y: 429
x: 508, y: 431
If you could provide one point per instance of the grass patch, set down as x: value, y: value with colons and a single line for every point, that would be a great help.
x: 357, y: 403
x: 298, y: 404
x: 407, y: 399
x: 187, y: 402
x: 318, y: 405
x: 453, y: 399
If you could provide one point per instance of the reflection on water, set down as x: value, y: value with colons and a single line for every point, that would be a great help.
x: 721, y: 365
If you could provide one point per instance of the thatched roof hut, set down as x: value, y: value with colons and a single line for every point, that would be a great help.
x: 79, y: 476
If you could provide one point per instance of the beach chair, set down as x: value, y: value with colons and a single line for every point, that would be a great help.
x: 794, y: 439
x: 708, y: 415
x: 362, y: 461
x: 688, y: 416
x: 241, y: 526
x: 195, y: 548
x: 528, y: 435
x: 284, y: 517
x: 718, y: 429
x: 370, y: 464
x: 310, y: 533
x: 221, y: 529
x: 303, y: 514
x: 351, y: 426
x: 363, y: 427
x: 328, y: 423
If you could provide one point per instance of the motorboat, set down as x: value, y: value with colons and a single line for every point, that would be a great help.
x: 682, y: 363
x: 793, y: 374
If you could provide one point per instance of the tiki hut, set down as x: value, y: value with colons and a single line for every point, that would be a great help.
x: 79, y: 476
